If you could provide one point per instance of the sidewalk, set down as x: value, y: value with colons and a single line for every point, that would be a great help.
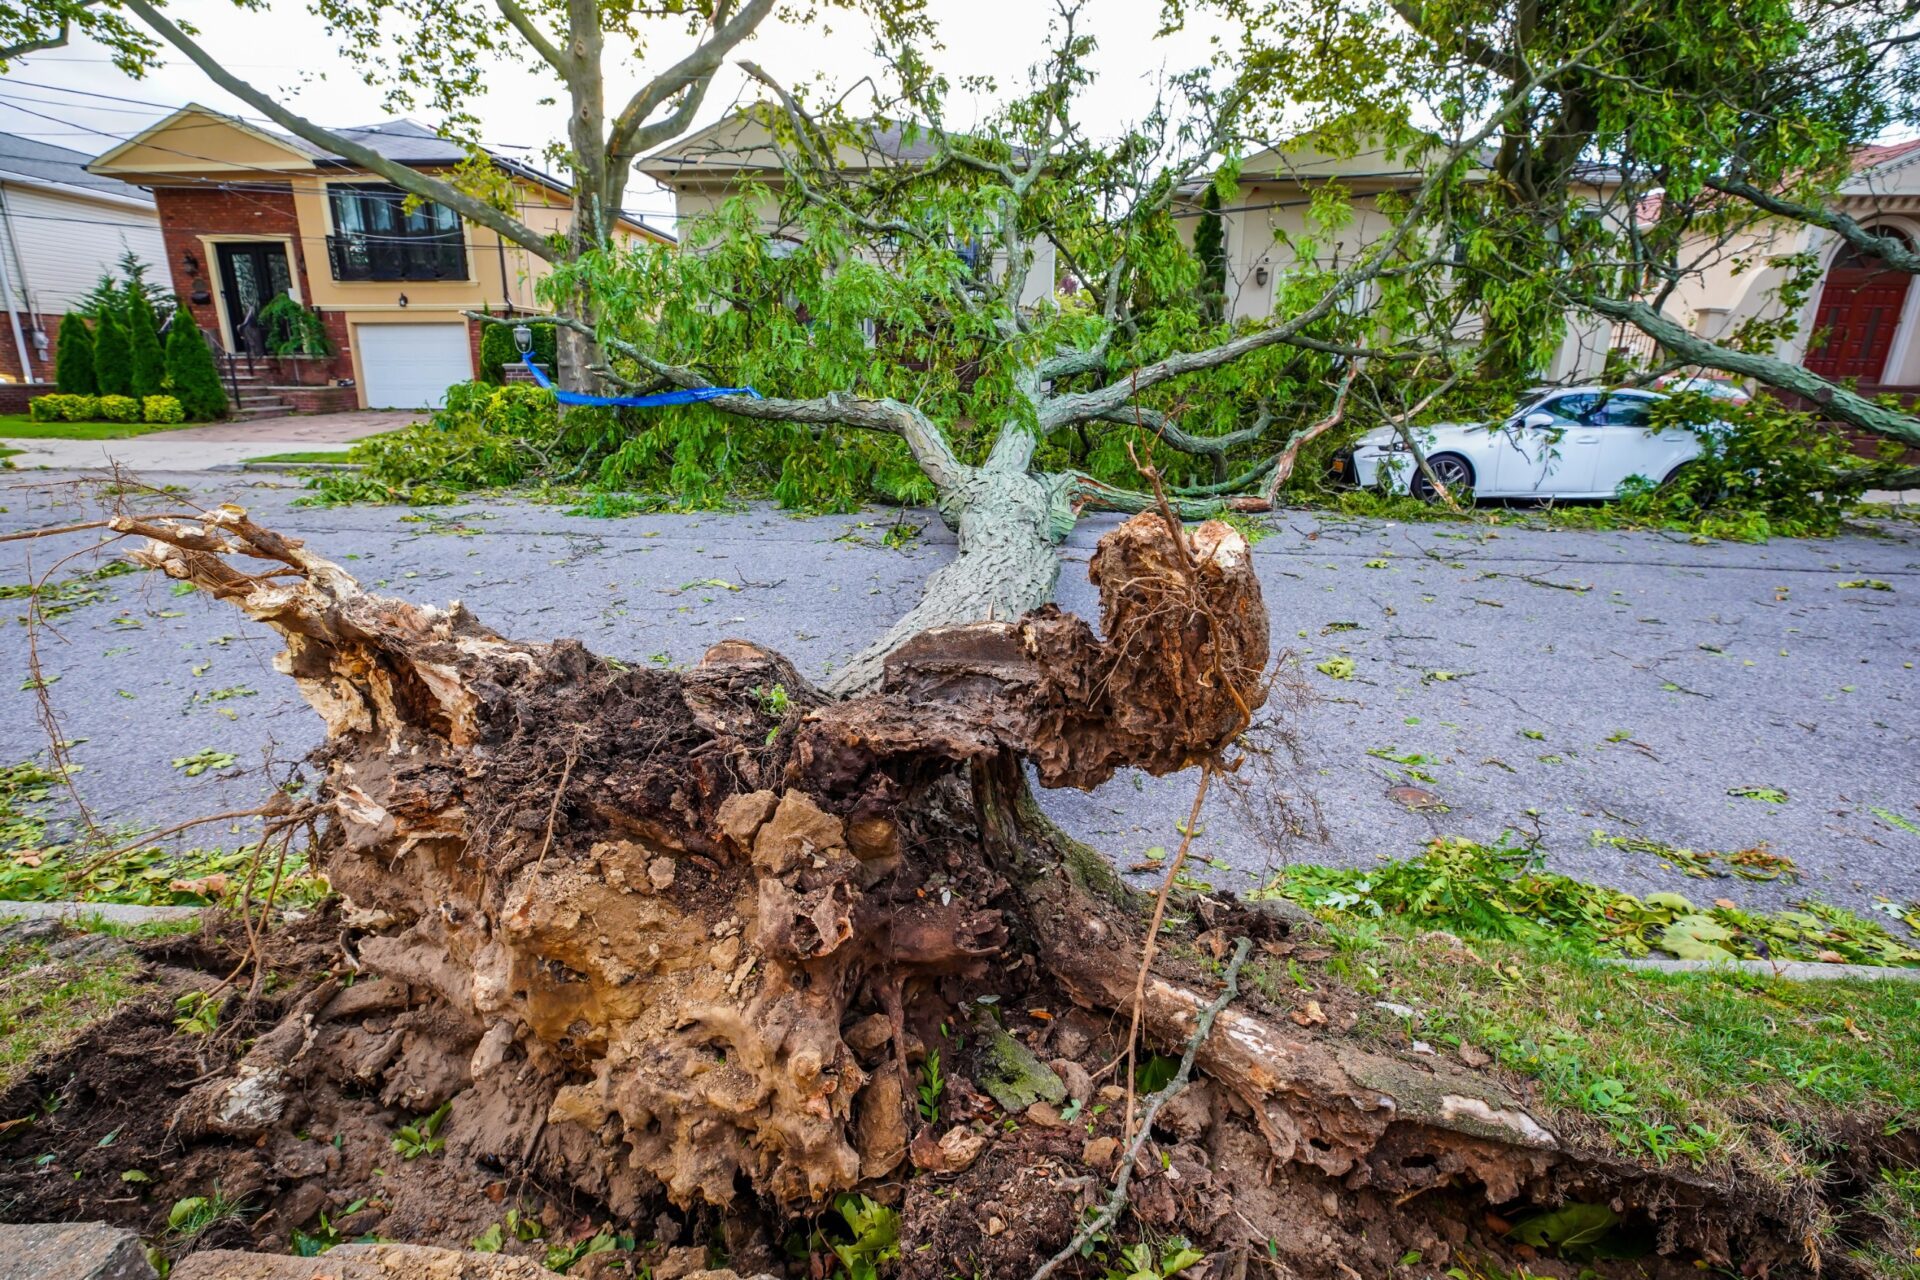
x: 211, y: 448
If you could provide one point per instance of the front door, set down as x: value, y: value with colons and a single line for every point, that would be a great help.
x: 251, y: 276
x: 1859, y: 312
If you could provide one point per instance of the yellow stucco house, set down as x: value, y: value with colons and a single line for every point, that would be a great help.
x: 248, y: 214
x: 1860, y: 322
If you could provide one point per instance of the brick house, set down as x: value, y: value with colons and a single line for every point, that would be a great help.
x: 248, y: 214
x: 61, y: 229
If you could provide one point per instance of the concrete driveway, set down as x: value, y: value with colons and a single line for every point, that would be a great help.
x: 1556, y: 684
x: 218, y: 446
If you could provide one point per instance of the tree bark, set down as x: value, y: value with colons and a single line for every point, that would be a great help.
x: 1833, y: 399
x: 1009, y: 524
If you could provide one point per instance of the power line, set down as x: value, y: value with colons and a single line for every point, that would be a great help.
x: 282, y: 183
x: 164, y: 108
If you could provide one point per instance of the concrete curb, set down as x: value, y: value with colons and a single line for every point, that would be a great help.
x: 1792, y: 970
x: 117, y: 912
x: 300, y: 466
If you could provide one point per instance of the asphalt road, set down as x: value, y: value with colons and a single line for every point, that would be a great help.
x: 1555, y: 684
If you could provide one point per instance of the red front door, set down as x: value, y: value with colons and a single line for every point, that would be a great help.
x: 1859, y: 312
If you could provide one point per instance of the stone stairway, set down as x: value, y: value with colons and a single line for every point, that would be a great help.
x: 256, y: 399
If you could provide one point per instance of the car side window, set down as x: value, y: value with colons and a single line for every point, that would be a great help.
x: 1567, y: 411
x: 1625, y: 411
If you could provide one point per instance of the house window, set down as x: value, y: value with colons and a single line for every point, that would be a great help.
x: 376, y: 237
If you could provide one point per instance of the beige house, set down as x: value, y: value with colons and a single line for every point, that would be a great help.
x: 1270, y: 223
x: 1860, y: 322
x: 721, y: 161
x: 249, y: 214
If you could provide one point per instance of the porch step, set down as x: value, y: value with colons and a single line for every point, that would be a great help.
x: 252, y: 412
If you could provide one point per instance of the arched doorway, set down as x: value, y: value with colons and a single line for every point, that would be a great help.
x: 1859, y: 313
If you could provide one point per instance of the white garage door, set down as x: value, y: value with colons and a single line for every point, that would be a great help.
x: 410, y: 366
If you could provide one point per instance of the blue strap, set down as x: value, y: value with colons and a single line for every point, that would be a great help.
x: 691, y: 396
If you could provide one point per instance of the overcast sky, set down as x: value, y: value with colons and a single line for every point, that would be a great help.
x: 286, y: 50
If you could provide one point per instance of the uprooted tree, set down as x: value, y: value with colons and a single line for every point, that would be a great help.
x: 658, y: 934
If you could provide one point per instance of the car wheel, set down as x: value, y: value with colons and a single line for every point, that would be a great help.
x: 1450, y: 469
x: 1688, y: 478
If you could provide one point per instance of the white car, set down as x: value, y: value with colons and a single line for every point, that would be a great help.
x: 1581, y: 442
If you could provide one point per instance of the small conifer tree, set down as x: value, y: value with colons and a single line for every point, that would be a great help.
x: 190, y: 369
x: 149, y: 362
x: 73, y: 360
x: 112, y: 356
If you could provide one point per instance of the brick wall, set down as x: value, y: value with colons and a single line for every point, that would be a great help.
x: 319, y: 399
x: 10, y: 350
x: 187, y: 213
x: 15, y: 395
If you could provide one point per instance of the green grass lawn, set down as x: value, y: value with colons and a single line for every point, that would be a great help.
x: 308, y: 455
x: 18, y: 426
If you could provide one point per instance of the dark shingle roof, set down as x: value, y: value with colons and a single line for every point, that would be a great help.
x: 23, y: 157
x: 401, y: 140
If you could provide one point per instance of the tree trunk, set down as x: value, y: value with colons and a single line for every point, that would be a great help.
x: 1009, y: 524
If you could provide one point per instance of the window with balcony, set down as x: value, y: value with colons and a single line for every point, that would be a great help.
x: 376, y: 237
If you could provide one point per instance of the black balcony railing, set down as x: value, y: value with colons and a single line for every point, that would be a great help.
x: 397, y: 257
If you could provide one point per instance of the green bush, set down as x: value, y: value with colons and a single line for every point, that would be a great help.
x: 1763, y: 471
x: 191, y: 372
x: 147, y: 365
x: 497, y: 350
x: 118, y: 409
x: 63, y: 408
x: 112, y: 356
x: 294, y: 330
x: 162, y: 409
x: 73, y: 360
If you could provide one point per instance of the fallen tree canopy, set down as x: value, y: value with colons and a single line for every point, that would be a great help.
x: 715, y: 944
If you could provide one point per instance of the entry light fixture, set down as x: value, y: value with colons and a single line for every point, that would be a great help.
x: 523, y: 338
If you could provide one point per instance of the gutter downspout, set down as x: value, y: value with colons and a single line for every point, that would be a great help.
x: 6, y: 293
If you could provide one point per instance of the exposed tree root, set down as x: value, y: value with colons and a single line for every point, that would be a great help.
x: 687, y: 935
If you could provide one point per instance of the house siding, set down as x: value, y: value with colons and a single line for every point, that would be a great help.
x: 55, y: 246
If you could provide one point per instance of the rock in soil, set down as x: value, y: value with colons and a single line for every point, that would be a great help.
x: 71, y: 1251
x: 359, y: 1262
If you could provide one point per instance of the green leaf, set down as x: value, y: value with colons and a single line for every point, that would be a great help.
x: 1697, y: 938
x: 1569, y: 1226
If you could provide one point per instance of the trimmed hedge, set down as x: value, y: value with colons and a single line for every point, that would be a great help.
x: 64, y: 408
x: 118, y: 409
x: 162, y: 409
x: 497, y: 350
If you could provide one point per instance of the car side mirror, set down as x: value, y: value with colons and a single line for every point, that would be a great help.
x: 1539, y: 420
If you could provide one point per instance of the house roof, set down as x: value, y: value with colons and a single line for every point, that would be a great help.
x: 739, y: 142
x: 401, y: 140
x: 43, y: 162
x: 1870, y: 157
